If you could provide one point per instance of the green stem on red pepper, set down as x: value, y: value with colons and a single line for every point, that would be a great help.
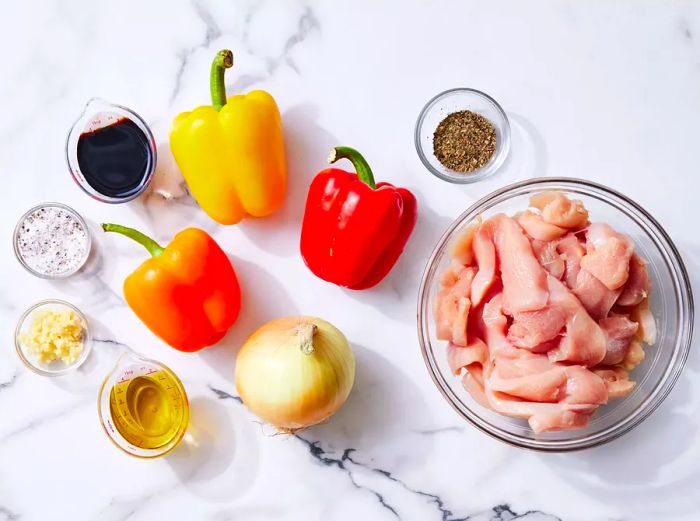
x: 364, y: 172
x: 222, y: 61
x: 144, y: 240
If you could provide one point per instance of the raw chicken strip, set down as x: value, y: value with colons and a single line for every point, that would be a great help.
x: 546, y: 346
x: 641, y: 314
x: 540, y: 416
x: 461, y: 249
x: 553, y: 416
x: 535, y: 379
x: 616, y: 380
x: 459, y: 321
x: 619, y: 332
x: 549, y: 258
x: 447, y: 306
x: 584, y: 341
x: 462, y: 286
x: 485, y: 253
x: 473, y: 382
x: 565, y: 420
x: 559, y: 210
x: 538, y: 228
x: 458, y: 357
x: 595, y: 297
x: 584, y: 387
x: 508, y: 361
x: 449, y: 277
x: 607, y: 256
x: 494, y: 325
x: 452, y: 306
x: 524, y: 280
x: 533, y: 328
x: 638, y: 284
x: 635, y: 355
x: 477, y: 372
x: 572, y: 252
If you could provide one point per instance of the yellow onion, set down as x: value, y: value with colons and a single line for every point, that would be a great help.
x: 295, y: 372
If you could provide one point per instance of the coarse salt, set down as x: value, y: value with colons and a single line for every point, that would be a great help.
x: 52, y: 241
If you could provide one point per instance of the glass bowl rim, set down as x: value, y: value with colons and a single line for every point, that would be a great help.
x: 654, y: 399
x: 87, y: 338
x: 78, y: 217
x: 486, y: 171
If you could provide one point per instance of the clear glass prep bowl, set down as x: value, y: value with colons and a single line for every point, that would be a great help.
x: 671, y: 304
x: 58, y: 367
x: 454, y: 100
x: 76, y: 216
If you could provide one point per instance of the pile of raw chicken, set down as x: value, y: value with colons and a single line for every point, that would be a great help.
x: 545, y: 313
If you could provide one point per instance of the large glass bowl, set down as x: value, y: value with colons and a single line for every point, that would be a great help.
x: 671, y: 304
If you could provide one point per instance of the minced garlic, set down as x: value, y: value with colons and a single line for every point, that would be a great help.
x: 54, y: 335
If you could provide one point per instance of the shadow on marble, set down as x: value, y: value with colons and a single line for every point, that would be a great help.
x: 88, y: 284
x: 306, y: 145
x: 528, y: 155
x: 396, y: 295
x: 167, y: 205
x: 257, y: 307
x: 218, y: 458
x: 622, y: 472
x: 168, y: 181
x: 375, y: 415
x: 527, y: 159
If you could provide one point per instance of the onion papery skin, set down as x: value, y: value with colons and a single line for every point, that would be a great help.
x: 284, y: 385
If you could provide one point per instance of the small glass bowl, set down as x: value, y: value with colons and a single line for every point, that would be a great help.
x: 77, y: 217
x: 56, y: 368
x: 671, y: 305
x: 443, y: 105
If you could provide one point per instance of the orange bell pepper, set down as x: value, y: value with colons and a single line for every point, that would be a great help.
x: 187, y: 293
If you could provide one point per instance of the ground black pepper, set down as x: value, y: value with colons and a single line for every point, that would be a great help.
x: 464, y: 141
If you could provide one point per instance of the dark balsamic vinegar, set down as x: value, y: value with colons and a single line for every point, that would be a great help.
x: 115, y: 160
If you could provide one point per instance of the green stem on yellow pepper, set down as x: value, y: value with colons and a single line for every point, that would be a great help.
x: 144, y: 240
x: 222, y: 61
x: 364, y: 172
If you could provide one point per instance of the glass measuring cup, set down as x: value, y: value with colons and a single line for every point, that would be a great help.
x: 143, y: 407
x: 121, y: 141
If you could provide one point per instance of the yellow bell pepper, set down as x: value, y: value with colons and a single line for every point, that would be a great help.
x: 231, y: 154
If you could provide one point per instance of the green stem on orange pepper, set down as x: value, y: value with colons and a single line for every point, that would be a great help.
x: 222, y: 61
x: 364, y: 172
x: 144, y: 240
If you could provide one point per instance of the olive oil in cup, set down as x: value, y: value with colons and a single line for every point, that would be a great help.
x: 143, y: 407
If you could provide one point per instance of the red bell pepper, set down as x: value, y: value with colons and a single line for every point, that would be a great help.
x: 354, y: 229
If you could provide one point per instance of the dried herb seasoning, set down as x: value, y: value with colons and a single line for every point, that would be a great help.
x: 464, y: 141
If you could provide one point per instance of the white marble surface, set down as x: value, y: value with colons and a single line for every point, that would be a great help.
x: 604, y: 90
